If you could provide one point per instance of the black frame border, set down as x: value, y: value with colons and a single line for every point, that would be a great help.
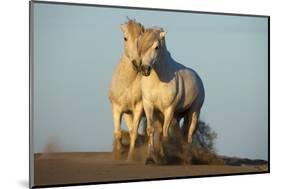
x: 31, y: 171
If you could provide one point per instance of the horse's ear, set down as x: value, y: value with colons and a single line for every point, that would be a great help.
x: 162, y: 35
x: 142, y: 29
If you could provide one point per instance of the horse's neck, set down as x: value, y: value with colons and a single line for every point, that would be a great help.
x: 126, y: 72
x: 127, y: 67
x: 164, y: 63
x: 165, y: 57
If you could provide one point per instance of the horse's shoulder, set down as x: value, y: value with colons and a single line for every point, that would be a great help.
x: 115, y: 84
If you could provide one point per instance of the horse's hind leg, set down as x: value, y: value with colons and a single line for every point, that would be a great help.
x: 186, y: 123
x: 189, y: 124
x: 192, y: 127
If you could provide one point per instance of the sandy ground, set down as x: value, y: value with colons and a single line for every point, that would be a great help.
x: 71, y: 168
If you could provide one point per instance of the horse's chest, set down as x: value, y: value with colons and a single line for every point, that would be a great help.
x: 129, y: 97
x: 161, y: 95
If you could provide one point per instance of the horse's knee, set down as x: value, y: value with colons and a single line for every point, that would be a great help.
x: 149, y: 131
x: 130, y: 132
x: 158, y: 128
x: 118, y: 135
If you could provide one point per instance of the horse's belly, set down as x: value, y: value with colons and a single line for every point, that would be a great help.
x: 188, y: 94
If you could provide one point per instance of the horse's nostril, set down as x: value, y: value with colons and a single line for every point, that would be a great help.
x: 145, y: 69
x: 134, y: 62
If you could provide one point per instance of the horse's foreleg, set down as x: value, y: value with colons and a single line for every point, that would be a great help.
x: 149, y: 110
x: 138, y: 111
x: 128, y: 118
x: 116, y: 112
x: 168, y: 117
x: 192, y: 127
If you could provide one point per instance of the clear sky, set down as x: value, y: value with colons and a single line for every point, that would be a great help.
x: 76, y: 49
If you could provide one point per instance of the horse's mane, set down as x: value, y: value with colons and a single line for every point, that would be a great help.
x: 149, y: 37
x: 156, y: 28
x: 134, y: 28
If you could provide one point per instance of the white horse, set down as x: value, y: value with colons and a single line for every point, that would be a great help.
x: 125, y: 91
x: 167, y: 86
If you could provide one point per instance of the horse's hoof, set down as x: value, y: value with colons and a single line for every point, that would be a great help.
x: 122, y: 150
x: 119, y: 151
x: 149, y: 161
x: 164, y: 162
x: 130, y: 158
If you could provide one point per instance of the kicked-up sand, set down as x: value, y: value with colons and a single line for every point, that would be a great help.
x: 96, y: 167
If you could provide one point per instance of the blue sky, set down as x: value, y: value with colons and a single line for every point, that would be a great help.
x: 76, y: 49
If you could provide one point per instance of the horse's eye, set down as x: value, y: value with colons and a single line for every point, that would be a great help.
x: 157, y: 47
x: 125, y: 38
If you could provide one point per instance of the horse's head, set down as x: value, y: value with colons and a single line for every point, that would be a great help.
x: 132, y: 30
x: 150, y: 47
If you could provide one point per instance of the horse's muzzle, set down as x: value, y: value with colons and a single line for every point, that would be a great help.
x: 135, y: 65
x: 145, y: 70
